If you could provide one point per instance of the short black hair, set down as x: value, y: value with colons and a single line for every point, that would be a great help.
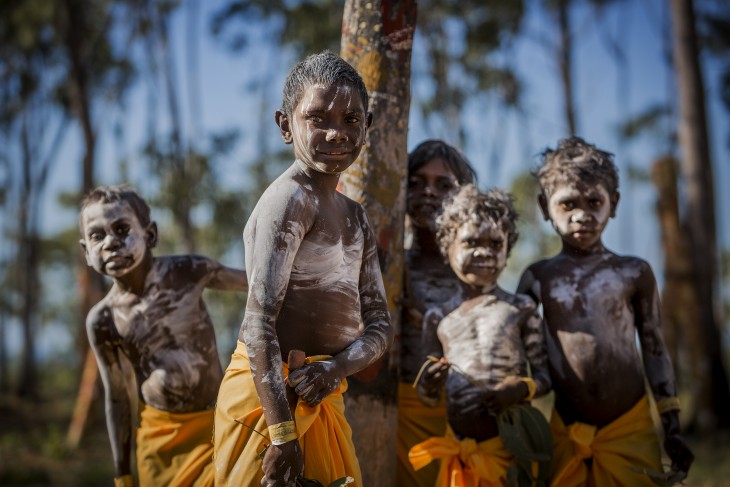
x: 576, y: 160
x: 117, y: 194
x: 324, y: 68
x: 455, y: 161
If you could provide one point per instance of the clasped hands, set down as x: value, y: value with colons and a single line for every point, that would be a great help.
x: 312, y: 383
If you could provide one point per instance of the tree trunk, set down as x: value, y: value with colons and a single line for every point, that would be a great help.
x: 377, y: 39
x: 714, y: 398
x: 680, y: 297
x: 565, y: 57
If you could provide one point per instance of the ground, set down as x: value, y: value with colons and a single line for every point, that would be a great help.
x: 33, y: 451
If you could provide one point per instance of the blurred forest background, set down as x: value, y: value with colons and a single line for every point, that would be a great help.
x: 177, y: 98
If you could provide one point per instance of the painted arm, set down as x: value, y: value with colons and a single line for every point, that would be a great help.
x: 658, y: 365
x: 105, y: 342
x: 435, y: 374
x: 529, y: 285
x: 533, y: 339
x: 225, y: 278
x: 271, y: 243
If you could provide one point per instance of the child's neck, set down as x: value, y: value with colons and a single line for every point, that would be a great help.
x: 470, y: 291
x: 424, y: 243
x: 325, y: 181
x: 578, y: 253
x: 134, y: 281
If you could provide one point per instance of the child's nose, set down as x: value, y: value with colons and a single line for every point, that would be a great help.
x: 111, y: 242
x: 336, y: 135
x: 578, y: 217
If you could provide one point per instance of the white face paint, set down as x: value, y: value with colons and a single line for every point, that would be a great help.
x: 478, y: 254
x: 328, y: 127
x: 116, y: 242
x: 579, y: 212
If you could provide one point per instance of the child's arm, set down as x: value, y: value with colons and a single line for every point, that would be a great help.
x: 222, y: 277
x: 272, y: 241
x: 658, y: 366
x: 516, y: 389
x: 529, y: 285
x: 105, y: 342
x: 316, y: 381
x: 433, y: 376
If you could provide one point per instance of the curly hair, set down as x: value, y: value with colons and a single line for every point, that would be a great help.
x: 324, y: 68
x: 116, y: 194
x: 469, y: 204
x: 576, y: 160
x: 455, y: 161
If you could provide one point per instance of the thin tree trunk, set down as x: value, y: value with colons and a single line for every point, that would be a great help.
x: 680, y: 297
x: 714, y: 398
x: 377, y: 39
x: 565, y: 56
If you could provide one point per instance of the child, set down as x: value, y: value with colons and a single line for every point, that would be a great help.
x: 488, y: 341
x: 435, y: 170
x: 155, y: 316
x: 594, y: 304
x: 314, y: 278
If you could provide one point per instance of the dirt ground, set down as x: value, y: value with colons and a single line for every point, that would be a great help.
x: 33, y: 452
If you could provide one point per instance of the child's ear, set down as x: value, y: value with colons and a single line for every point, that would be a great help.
x: 82, y: 242
x: 543, y: 202
x: 368, y: 120
x: 282, y: 120
x: 151, y: 235
x: 614, y: 203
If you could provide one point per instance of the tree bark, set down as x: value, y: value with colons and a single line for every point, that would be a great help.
x: 565, y: 58
x: 700, y: 213
x: 377, y: 39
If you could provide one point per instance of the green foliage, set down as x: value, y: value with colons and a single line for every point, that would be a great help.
x: 526, y: 435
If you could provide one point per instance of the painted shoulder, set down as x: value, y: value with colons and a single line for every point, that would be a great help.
x: 522, y: 302
x: 100, y: 316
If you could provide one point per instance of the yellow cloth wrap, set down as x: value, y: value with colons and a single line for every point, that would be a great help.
x: 464, y: 463
x: 629, y: 442
x: 324, y: 434
x: 416, y: 423
x: 531, y: 387
x: 667, y: 404
x: 175, y: 450
x: 124, y: 481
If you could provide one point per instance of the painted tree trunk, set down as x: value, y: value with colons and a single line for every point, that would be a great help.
x: 377, y: 39
x: 700, y: 211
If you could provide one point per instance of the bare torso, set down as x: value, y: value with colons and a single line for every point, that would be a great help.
x: 488, y: 339
x: 589, y: 305
x: 168, y: 336
x: 431, y: 284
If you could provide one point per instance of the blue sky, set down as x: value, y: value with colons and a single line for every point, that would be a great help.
x: 504, y: 144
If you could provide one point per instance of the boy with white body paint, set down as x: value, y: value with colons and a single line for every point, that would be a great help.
x: 315, y: 279
x: 488, y: 340
x: 155, y: 316
x: 594, y: 304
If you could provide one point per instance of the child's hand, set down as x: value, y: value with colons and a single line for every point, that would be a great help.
x: 434, y: 377
x: 508, y: 392
x: 282, y: 464
x: 315, y: 381
x: 678, y: 451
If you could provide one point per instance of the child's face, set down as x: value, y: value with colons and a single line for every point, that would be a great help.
x: 114, y: 240
x: 478, y: 253
x: 327, y: 127
x: 428, y: 186
x: 580, y: 211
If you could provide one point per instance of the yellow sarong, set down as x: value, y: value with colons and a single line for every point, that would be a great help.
x: 324, y: 434
x: 416, y: 423
x: 175, y: 450
x: 464, y: 463
x: 629, y: 442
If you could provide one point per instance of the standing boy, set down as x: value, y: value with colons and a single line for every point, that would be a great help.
x: 595, y: 302
x: 315, y: 286
x: 488, y: 340
x: 155, y: 316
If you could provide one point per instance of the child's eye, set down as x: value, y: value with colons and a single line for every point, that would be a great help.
x: 122, y: 229
x: 567, y: 205
x: 595, y: 203
x: 446, y: 185
x: 415, y: 183
x: 96, y: 236
x: 314, y: 118
x: 352, y: 119
x: 497, y: 244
